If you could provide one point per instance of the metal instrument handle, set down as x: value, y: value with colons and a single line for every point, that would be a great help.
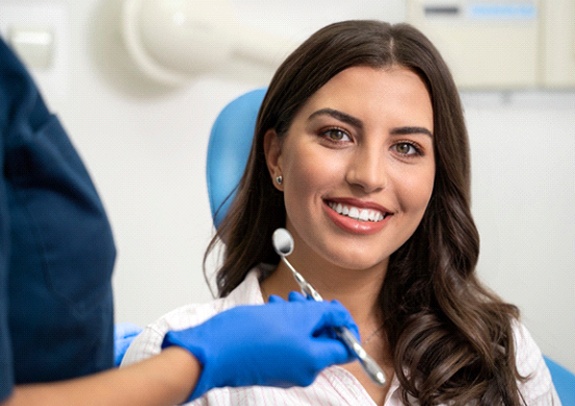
x: 369, y: 365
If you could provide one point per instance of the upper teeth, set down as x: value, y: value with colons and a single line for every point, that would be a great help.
x: 357, y: 213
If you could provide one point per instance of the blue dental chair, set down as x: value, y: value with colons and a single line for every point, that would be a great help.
x: 228, y: 149
x: 564, y: 381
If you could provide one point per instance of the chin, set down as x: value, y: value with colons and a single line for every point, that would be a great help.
x: 358, y: 262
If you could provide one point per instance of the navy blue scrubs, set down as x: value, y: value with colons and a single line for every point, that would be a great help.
x: 56, y: 247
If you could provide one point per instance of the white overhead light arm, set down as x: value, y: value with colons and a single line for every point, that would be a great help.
x: 173, y: 40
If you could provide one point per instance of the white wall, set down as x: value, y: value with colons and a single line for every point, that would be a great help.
x: 145, y: 147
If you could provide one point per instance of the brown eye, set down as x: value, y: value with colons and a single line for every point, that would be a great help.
x: 406, y: 148
x: 335, y: 134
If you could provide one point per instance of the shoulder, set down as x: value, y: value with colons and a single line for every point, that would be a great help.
x: 527, y: 352
x: 537, y: 387
x: 149, y: 341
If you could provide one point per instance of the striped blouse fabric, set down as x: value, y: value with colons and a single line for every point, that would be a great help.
x: 335, y: 385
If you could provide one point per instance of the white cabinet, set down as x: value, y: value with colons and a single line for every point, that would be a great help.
x: 502, y: 44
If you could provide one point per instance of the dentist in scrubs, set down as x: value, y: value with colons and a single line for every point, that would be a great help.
x: 56, y: 313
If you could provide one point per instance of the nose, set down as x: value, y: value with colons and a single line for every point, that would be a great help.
x: 368, y: 170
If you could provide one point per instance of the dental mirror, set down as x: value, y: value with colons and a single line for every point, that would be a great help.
x: 283, y: 242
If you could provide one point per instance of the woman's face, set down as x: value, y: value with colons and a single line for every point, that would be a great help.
x: 357, y: 166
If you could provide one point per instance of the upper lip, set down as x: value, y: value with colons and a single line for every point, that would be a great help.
x: 362, y: 204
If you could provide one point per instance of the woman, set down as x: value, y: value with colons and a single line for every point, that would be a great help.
x: 361, y: 152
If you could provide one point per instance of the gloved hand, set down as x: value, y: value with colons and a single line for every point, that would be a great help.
x: 279, y: 344
x: 124, y: 334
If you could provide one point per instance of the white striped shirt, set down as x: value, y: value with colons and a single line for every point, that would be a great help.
x: 333, y: 386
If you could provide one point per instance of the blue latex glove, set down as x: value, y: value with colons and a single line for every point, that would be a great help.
x: 279, y: 344
x: 124, y: 334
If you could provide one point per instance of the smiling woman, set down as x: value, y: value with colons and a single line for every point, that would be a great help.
x: 360, y: 151
x: 354, y: 151
x: 343, y: 153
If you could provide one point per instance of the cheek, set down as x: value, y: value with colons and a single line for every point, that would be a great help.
x: 416, y: 191
x: 306, y: 177
x: 301, y: 179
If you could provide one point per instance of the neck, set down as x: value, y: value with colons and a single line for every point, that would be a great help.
x: 357, y: 290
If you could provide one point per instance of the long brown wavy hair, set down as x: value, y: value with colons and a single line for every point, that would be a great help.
x: 450, y: 337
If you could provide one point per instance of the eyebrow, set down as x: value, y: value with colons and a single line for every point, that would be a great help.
x: 356, y: 122
x: 338, y: 115
x: 411, y: 130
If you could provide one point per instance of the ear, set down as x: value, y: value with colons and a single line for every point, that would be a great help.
x: 272, y: 151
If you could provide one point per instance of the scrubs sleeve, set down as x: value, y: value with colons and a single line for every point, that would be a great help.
x: 57, y: 252
x: 6, y: 375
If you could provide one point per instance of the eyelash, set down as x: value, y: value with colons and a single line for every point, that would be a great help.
x: 325, y: 134
x: 415, y: 146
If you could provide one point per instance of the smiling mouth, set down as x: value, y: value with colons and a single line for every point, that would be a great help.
x: 357, y: 213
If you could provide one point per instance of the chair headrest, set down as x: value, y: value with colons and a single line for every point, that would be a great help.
x: 228, y: 150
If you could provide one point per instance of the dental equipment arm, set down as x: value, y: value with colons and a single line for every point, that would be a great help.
x: 172, y: 41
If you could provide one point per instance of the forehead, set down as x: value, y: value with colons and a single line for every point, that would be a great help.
x: 365, y: 90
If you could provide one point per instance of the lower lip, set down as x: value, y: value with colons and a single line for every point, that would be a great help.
x: 355, y: 226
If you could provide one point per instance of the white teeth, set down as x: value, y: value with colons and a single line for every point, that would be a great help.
x: 353, y: 213
x: 357, y: 213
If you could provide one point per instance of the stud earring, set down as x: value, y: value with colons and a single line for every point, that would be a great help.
x: 279, y: 179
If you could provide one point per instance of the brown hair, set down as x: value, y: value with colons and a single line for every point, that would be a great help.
x: 451, y: 339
